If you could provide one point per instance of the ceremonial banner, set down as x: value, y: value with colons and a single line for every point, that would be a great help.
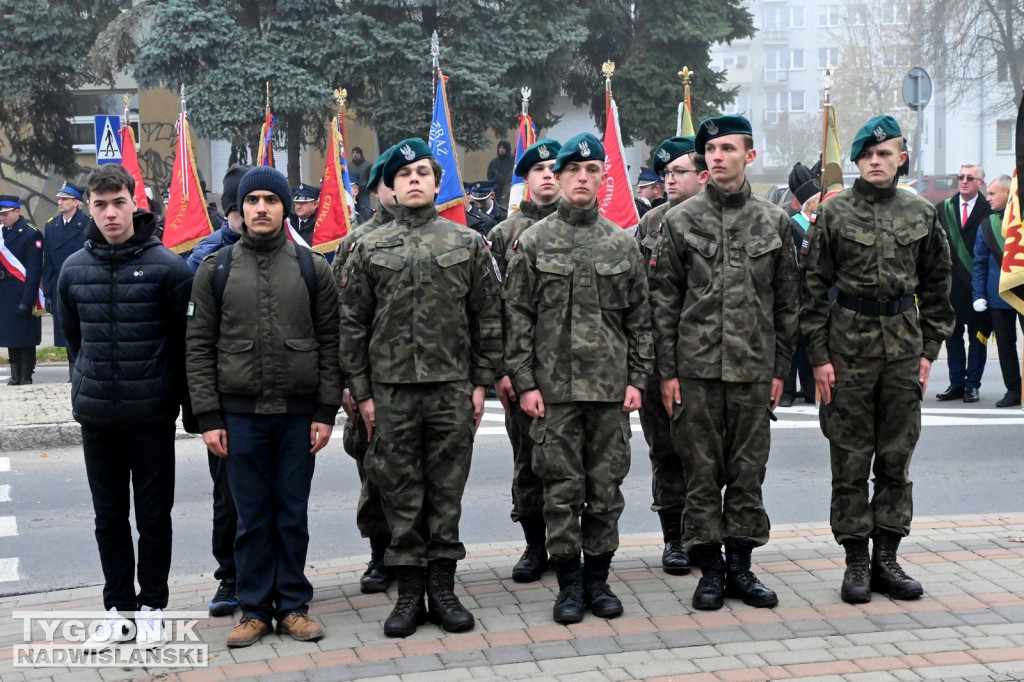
x: 187, y: 221
x: 685, y: 123
x: 334, y: 216
x: 526, y: 136
x: 451, y: 200
x: 10, y: 263
x: 265, y: 155
x: 130, y: 161
x: 1011, y: 279
x: 615, y: 195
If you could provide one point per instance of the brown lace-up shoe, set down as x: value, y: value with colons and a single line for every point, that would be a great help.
x: 300, y: 626
x: 248, y: 631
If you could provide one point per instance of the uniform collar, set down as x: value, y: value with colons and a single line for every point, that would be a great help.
x: 577, y: 216
x: 865, y: 190
x: 725, y: 199
x: 416, y: 216
x: 535, y: 212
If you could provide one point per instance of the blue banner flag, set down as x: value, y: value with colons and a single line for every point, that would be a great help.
x: 451, y: 199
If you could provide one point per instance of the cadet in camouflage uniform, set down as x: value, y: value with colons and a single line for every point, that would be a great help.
x: 527, y: 489
x: 578, y: 348
x: 872, y: 351
x: 369, y: 513
x: 421, y: 330
x: 724, y: 292
x: 685, y: 175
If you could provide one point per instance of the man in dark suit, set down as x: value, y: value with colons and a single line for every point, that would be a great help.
x: 65, y: 234
x: 21, y: 268
x: 960, y: 215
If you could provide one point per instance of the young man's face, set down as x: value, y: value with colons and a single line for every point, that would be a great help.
x: 878, y: 163
x: 541, y: 181
x: 306, y: 209
x: 112, y: 213
x: 8, y: 218
x: 580, y: 180
x: 263, y: 212
x: 415, y: 184
x: 727, y: 160
x: 386, y: 197
x: 682, y: 180
x: 357, y: 155
x: 650, y: 192
x: 67, y: 206
x: 998, y: 196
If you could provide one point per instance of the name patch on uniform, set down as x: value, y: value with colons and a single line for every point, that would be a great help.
x: 191, y: 309
x: 497, y: 270
x: 389, y: 243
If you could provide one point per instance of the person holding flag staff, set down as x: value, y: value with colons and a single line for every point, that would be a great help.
x: 21, y: 270
x: 684, y: 174
x: 421, y: 339
x: 724, y: 291
x: 578, y: 349
x: 535, y: 166
x: 873, y: 350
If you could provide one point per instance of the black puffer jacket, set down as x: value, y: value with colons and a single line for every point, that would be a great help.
x: 122, y: 308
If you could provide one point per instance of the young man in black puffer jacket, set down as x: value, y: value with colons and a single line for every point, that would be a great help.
x: 122, y: 302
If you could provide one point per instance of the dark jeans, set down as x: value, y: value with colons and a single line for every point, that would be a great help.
x: 142, y: 460
x: 225, y: 519
x: 270, y: 472
x: 1004, y: 324
x: 966, y: 368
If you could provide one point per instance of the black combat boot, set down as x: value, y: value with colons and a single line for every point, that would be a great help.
x: 887, y: 576
x: 534, y: 561
x: 409, y: 610
x: 856, y: 587
x: 443, y: 607
x: 740, y: 582
x: 28, y: 368
x: 597, y: 596
x: 675, y: 559
x: 569, y: 603
x: 710, y: 592
x: 15, y: 379
x: 377, y: 577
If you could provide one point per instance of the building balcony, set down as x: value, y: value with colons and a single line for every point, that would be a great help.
x: 774, y: 35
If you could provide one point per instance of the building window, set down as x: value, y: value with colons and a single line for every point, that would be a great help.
x: 896, y: 13
x: 86, y: 105
x: 796, y: 59
x: 783, y: 17
x: 796, y: 101
x: 740, y: 105
x: 796, y: 17
x: 827, y: 56
x: 828, y: 15
x: 1004, y: 135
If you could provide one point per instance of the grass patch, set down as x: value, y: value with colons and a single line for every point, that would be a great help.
x: 44, y: 354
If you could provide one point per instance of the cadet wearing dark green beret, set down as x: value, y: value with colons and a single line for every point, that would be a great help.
x: 878, y: 129
x: 583, y: 147
x: 539, y: 151
x: 672, y: 148
x: 711, y: 128
x: 402, y: 154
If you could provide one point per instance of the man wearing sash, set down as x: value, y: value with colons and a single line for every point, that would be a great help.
x: 21, y: 269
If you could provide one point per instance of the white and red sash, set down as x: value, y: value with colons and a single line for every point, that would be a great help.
x: 12, y: 265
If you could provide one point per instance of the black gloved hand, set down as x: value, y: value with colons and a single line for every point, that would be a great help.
x: 23, y: 311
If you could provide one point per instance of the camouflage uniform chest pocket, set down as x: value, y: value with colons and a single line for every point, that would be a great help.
x: 554, y: 277
x: 613, y: 283
x: 457, y: 279
x: 908, y: 234
x: 707, y: 248
x: 761, y: 264
x: 387, y: 271
x: 858, y: 232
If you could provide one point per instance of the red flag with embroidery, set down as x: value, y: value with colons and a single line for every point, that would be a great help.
x: 334, y: 216
x: 187, y: 221
x: 616, y: 196
x: 130, y: 161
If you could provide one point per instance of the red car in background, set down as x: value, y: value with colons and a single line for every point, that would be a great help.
x: 935, y: 188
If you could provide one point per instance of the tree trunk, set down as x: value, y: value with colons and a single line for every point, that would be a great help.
x: 294, y: 145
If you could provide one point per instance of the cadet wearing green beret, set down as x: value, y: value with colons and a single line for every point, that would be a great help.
x: 421, y: 324
x: 885, y: 253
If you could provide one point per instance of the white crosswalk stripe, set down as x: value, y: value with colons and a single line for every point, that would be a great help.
x: 8, y: 528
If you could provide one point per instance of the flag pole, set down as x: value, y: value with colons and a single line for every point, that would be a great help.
x: 684, y: 106
x: 341, y: 98
x: 525, y: 92
x: 435, y: 54
x: 608, y: 68
x: 183, y: 142
x: 826, y: 109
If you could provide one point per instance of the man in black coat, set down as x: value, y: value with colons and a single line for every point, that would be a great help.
x: 21, y: 267
x: 122, y: 302
x: 65, y: 234
x: 499, y: 171
x: 960, y: 215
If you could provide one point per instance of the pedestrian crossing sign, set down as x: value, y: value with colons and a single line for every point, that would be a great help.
x: 108, y: 139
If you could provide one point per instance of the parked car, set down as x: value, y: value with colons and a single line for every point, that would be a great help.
x: 935, y: 188
x: 781, y: 196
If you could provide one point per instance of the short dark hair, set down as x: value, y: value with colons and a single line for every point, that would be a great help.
x: 699, y: 162
x: 111, y: 177
x: 748, y: 142
x: 357, y: 149
x: 435, y: 166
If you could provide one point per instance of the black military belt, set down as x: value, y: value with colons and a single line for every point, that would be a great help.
x: 863, y: 305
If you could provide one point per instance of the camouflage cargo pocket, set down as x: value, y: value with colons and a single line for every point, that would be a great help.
x: 618, y: 467
x: 553, y: 281
x: 545, y: 462
x: 456, y: 278
x: 613, y: 284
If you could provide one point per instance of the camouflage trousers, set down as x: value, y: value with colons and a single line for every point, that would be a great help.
x: 721, y: 429
x: 370, y: 511
x: 582, y: 454
x: 527, y: 488
x: 668, y: 478
x: 419, y: 460
x: 872, y: 424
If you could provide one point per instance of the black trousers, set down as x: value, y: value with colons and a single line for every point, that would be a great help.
x: 1004, y: 324
x: 120, y: 462
x: 225, y: 519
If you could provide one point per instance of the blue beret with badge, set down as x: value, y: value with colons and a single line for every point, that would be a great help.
x: 304, y: 193
x: 670, y: 150
x: 720, y: 126
x: 582, y: 147
x: 544, y: 150
x: 405, y: 152
x: 878, y: 129
x: 69, y: 191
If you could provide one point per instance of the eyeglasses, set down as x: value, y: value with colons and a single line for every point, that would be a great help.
x: 968, y: 178
x: 678, y: 173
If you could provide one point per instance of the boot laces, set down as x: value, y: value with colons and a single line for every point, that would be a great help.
x: 406, y: 603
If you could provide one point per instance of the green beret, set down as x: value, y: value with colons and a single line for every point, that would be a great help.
x: 583, y: 147
x: 669, y: 150
x: 878, y: 129
x: 539, y: 151
x: 733, y: 124
x: 402, y: 154
x: 377, y: 168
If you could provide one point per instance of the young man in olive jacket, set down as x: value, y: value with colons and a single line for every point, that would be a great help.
x: 266, y: 387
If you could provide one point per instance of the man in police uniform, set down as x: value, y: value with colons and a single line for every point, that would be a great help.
x: 872, y: 352
x: 724, y: 292
x: 482, y: 194
x: 421, y: 339
x: 307, y: 201
x: 651, y: 188
x: 578, y: 349
x: 21, y: 270
x: 65, y: 234
x: 685, y: 175
x: 534, y: 166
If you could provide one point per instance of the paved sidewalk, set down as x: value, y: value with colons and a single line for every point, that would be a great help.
x: 969, y: 625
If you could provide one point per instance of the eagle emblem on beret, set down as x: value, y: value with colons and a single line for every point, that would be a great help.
x: 711, y: 128
x: 542, y: 151
x: 584, y: 149
x: 664, y: 156
x: 879, y: 133
x: 407, y: 152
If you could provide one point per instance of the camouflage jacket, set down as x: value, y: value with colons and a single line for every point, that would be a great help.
x: 724, y: 288
x: 876, y: 244
x: 647, y: 235
x: 508, y: 230
x: 349, y: 241
x: 577, y: 316
x: 419, y: 304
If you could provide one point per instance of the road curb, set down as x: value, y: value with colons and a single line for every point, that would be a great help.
x: 42, y: 436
